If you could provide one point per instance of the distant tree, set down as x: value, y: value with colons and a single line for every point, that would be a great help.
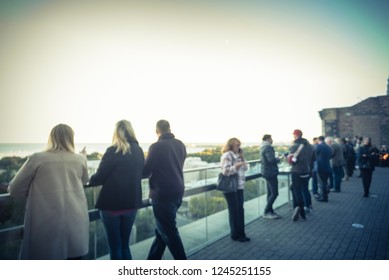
x: 94, y: 156
x: 11, y: 163
x: 200, y: 207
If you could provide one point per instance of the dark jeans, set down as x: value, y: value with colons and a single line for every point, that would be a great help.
x: 306, y: 194
x: 314, y: 182
x: 166, y: 233
x: 350, y: 167
x: 272, y: 193
x: 299, y: 184
x: 235, y: 202
x: 331, y: 180
x: 338, y: 174
x: 322, y: 179
x: 118, y: 230
x: 367, y: 175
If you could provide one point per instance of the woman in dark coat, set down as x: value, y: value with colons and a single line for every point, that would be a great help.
x: 367, y: 158
x: 120, y: 174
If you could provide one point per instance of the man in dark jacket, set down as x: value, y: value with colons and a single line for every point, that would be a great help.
x: 302, y: 167
x: 323, y: 157
x: 269, y: 171
x: 164, y: 166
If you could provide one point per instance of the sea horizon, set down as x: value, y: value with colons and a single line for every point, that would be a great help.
x: 27, y: 149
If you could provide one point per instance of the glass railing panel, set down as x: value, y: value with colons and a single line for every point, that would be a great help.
x: 253, y: 192
x: 202, y: 218
x: 12, y: 211
x: 283, y: 190
x: 10, y: 250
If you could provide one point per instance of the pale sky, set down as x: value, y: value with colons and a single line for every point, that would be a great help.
x: 214, y: 69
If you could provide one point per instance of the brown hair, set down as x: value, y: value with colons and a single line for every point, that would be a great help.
x: 228, y: 146
x: 163, y: 126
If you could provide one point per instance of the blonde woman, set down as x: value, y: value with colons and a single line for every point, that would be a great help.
x: 56, y: 223
x: 233, y: 162
x: 120, y: 174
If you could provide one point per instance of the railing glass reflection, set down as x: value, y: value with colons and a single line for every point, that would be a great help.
x: 202, y: 218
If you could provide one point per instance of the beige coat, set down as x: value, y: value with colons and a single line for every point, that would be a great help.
x: 56, y: 220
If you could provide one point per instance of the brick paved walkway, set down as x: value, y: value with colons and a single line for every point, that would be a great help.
x: 326, y: 234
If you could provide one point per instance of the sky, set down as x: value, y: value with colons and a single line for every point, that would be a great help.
x: 213, y: 69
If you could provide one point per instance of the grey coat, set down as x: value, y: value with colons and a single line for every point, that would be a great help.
x: 269, y: 162
x: 56, y: 221
x: 337, y: 155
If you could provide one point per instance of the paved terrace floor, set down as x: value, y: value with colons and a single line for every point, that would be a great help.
x: 326, y: 234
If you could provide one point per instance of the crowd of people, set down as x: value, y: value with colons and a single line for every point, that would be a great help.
x: 57, y: 222
x: 326, y: 163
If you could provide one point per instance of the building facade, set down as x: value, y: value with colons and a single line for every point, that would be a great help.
x: 369, y: 117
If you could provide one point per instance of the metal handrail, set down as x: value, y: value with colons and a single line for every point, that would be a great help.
x: 16, y: 233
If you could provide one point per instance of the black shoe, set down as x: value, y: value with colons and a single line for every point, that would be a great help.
x: 336, y: 191
x: 242, y: 239
x: 365, y: 195
x: 322, y: 199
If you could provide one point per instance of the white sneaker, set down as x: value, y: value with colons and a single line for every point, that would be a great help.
x: 270, y: 216
x: 296, y: 214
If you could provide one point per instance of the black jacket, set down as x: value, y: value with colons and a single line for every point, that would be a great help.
x: 367, y: 157
x: 120, y: 176
x: 305, y: 159
x: 164, y: 166
x: 269, y: 162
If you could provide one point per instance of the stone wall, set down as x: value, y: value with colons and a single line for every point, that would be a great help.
x: 369, y: 117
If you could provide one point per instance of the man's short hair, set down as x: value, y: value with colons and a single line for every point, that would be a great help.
x: 163, y: 126
x: 266, y: 137
x: 321, y: 138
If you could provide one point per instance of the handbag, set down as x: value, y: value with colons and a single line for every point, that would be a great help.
x: 227, y: 183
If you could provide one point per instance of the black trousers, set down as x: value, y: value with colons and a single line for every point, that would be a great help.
x: 367, y: 175
x: 235, y: 202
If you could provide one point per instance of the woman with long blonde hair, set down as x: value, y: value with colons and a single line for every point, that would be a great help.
x: 233, y: 162
x: 120, y: 174
x: 56, y: 222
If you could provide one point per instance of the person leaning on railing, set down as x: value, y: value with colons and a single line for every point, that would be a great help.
x: 56, y: 223
x: 120, y: 174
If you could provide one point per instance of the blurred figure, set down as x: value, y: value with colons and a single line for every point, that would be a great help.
x: 323, y: 157
x: 303, y: 158
x: 120, y: 174
x: 384, y: 156
x: 337, y: 164
x: 315, y: 142
x: 164, y: 166
x: 367, y: 157
x: 233, y: 162
x: 350, y: 157
x: 269, y: 171
x: 329, y: 141
x: 358, y: 144
x: 56, y: 223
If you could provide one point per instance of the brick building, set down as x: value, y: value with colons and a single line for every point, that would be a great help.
x: 369, y: 117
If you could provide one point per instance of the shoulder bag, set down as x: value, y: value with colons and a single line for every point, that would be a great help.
x: 227, y: 183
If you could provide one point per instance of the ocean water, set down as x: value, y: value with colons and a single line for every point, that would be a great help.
x: 26, y: 149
